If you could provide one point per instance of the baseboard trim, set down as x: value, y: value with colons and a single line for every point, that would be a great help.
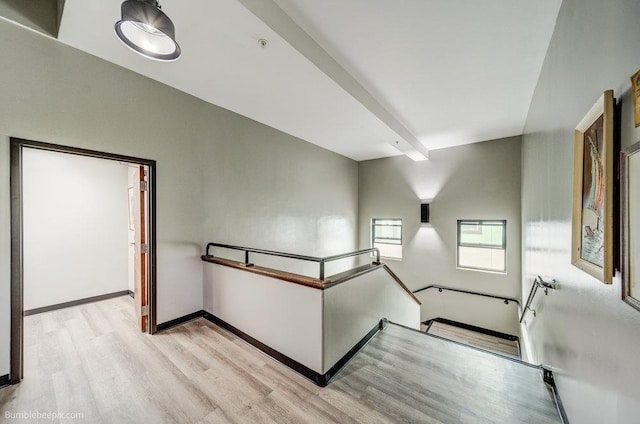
x: 4, y: 380
x: 319, y: 379
x: 547, y: 376
x: 132, y: 294
x: 76, y: 302
x: 181, y: 320
x: 343, y: 361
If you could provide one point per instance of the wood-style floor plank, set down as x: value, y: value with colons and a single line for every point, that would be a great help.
x: 90, y: 359
x: 473, y: 338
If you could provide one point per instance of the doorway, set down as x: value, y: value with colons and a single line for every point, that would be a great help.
x: 143, y: 207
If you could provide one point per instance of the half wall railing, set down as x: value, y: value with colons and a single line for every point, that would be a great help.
x: 311, y: 325
x: 320, y: 261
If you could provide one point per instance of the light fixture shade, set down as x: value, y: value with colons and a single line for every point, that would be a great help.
x: 145, y: 29
x: 424, y: 212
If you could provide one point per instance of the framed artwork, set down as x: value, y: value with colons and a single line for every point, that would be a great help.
x: 635, y: 84
x: 592, y: 217
x: 630, y: 226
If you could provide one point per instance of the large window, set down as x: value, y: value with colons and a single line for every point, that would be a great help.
x: 482, y: 245
x: 386, y: 235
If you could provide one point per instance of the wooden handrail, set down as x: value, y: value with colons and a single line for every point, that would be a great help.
x: 399, y: 281
x: 268, y: 272
x: 321, y: 261
x: 309, y: 281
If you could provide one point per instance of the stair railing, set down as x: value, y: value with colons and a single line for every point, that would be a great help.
x: 321, y: 261
x: 538, y: 282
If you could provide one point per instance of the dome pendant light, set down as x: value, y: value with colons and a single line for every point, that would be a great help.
x: 146, y: 30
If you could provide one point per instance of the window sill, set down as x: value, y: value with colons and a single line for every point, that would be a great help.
x: 390, y: 259
x: 488, y: 271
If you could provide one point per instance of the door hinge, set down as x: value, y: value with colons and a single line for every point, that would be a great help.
x: 144, y: 248
x: 144, y: 186
x: 145, y: 311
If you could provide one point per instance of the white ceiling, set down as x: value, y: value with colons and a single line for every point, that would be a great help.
x: 352, y: 76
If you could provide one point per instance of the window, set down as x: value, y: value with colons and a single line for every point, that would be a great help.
x: 386, y: 235
x: 482, y: 245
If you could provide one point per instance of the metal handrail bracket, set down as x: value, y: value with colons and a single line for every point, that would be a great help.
x: 538, y: 282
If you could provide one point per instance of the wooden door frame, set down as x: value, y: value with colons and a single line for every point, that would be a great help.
x: 17, y: 279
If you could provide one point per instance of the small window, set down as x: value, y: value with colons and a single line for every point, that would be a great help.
x: 482, y: 245
x: 386, y: 235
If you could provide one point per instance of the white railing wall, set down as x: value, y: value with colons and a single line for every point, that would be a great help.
x: 285, y: 316
x: 312, y: 326
x: 355, y: 307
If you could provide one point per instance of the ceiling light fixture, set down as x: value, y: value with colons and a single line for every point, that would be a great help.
x: 146, y: 30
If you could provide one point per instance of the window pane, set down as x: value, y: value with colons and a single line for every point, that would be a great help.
x: 482, y: 233
x: 389, y: 250
x: 386, y: 235
x: 482, y: 245
x: 482, y: 258
x: 393, y: 221
x: 387, y: 231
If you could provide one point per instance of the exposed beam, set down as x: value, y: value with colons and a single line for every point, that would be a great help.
x: 273, y: 16
x: 40, y: 15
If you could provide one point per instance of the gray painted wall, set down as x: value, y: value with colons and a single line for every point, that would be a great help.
x: 263, y: 190
x: 584, y: 330
x: 476, y: 181
x: 206, y: 189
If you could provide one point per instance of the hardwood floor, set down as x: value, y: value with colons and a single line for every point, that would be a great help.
x: 473, y: 338
x: 90, y: 361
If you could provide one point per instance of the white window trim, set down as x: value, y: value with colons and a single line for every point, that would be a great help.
x: 371, y: 238
x: 504, y: 248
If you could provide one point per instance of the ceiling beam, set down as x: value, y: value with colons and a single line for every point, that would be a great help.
x: 40, y: 15
x: 274, y: 17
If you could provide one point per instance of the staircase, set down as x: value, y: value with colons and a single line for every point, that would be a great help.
x: 430, y: 379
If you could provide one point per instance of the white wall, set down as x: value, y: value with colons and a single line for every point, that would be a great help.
x: 484, y: 312
x: 477, y: 181
x: 285, y: 316
x: 313, y: 327
x: 131, y: 234
x: 205, y: 190
x: 353, y: 308
x: 583, y: 329
x: 75, y: 227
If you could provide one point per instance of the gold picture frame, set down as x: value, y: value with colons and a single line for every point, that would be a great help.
x: 592, y: 214
x: 635, y: 84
